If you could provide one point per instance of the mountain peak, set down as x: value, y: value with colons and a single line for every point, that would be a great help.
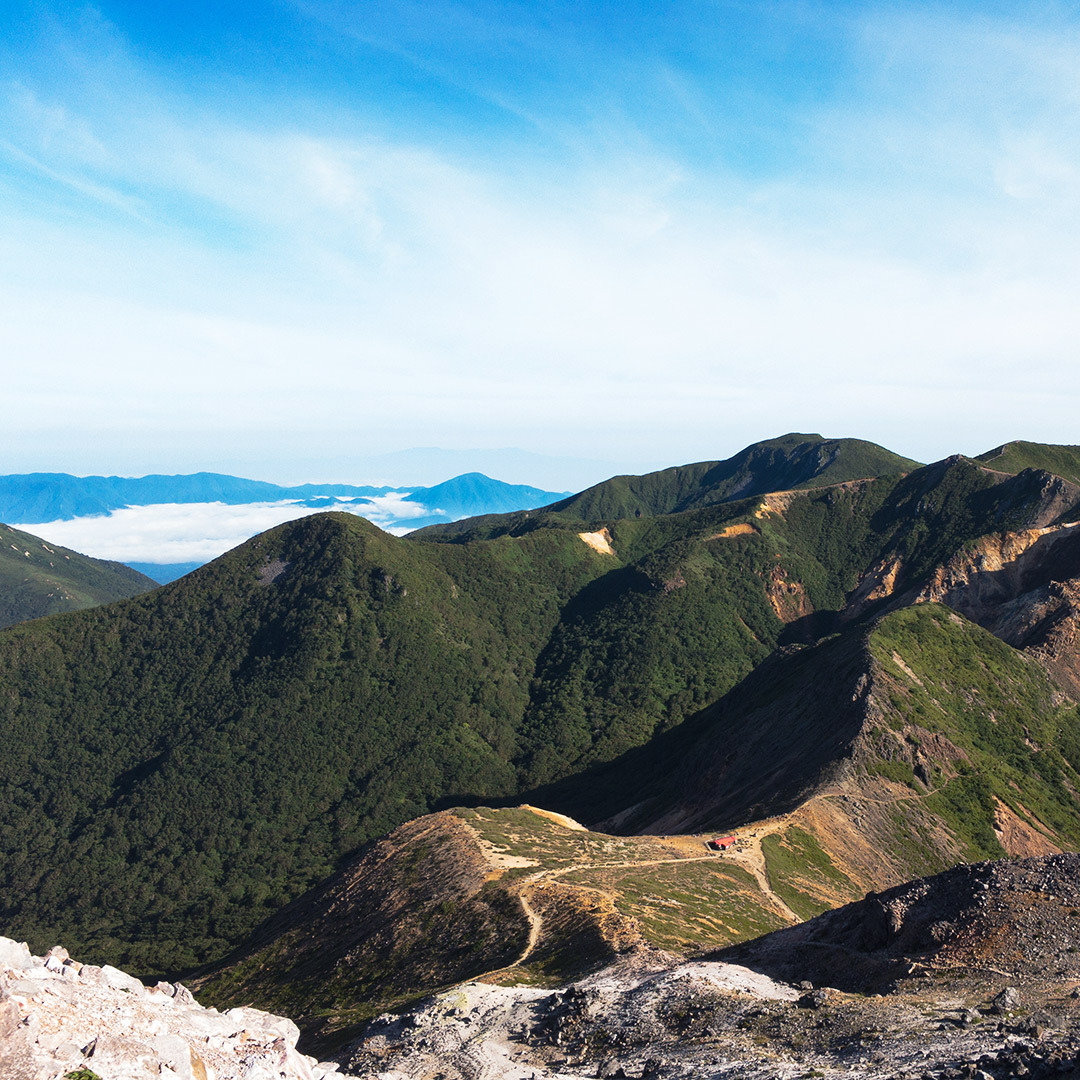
x: 794, y: 460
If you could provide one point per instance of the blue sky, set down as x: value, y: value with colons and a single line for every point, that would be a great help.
x: 282, y: 239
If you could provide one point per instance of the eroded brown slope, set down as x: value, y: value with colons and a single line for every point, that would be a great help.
x: 1024, y: 587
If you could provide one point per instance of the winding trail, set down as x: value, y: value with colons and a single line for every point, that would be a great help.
x: 535, y: 925
x: 536, y: 921
x: 752, y: 859
x: 748, y: 855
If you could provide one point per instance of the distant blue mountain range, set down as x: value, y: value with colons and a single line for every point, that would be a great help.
x: 37, y: 497
x: 152, y: 543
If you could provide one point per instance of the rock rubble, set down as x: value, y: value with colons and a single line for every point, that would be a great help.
x: 708, y: 1022
x: 58, y: 1017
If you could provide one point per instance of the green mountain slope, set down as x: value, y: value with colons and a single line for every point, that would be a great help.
x: 939, y: 711
x: 709, y: 594
x: 176, y: 767
x: 1016, y: 742
x: 189, y: 760
x: 1014, y: 457
x: 789, y: 462
x: 39, y: 579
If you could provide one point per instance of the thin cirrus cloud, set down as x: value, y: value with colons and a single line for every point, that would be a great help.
x: 198, y: 532
x: 668, y: 234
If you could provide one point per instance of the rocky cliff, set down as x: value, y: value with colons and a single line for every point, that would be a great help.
x: 60, y: 1018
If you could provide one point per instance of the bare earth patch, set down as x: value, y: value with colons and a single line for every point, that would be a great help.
x: 599, y: 541
x: 742, y: 529
x: 1017, y: 837
x: 559, y: 819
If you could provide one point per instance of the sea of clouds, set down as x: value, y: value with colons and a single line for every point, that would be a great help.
x: 169, y: 533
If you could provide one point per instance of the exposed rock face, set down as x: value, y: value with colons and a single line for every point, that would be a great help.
x: 59, y: 1016
x: 1000, y: 568
x: 788, y: 598
x: 1024, y: 587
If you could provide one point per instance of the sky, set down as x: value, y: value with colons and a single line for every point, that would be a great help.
x: 293, y: 239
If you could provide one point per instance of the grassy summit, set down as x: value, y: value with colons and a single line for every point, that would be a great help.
x: 1014, y: 457
x: 787, y: 463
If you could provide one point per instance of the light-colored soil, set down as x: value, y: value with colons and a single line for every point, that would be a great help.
x: 559, y: 819
x: 1017, y: 837
x: 743, y: 529
x: 598, y: 541
x: 500, y: 861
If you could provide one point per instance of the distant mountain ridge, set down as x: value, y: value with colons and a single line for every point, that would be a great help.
x: 1014, y: 457
x: 38, y: 497
x: 786, y: 463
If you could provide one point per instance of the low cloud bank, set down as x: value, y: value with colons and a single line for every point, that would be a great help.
x: 199, y: 532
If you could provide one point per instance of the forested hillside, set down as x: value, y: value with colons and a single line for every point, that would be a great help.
x: 787, y: 463
x: 888, y: 752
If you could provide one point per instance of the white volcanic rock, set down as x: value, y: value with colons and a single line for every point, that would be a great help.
x: 58, y: 1016
x: 610, y: 1024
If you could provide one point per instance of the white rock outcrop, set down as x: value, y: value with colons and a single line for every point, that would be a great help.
x: 58, y: 1016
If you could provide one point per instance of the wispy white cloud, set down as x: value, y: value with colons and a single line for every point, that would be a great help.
x: 391, y: 508
x: 337, y: 285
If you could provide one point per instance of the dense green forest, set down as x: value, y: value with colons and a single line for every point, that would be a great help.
x: 790, y: 462
x: 176, y: 766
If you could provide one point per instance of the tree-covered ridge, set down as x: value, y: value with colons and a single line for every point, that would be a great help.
x: 206, y: 751
x: 787, y: 463
x: 38, y: 578
x: 174, y: 767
